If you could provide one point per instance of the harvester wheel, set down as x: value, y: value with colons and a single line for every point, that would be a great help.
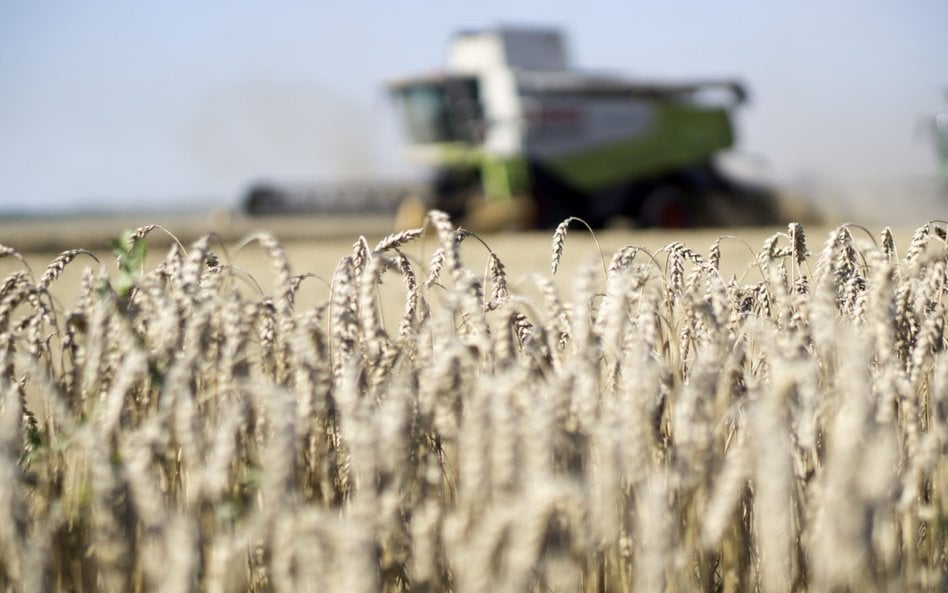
x: 411, y: 213
x: 489, y: 216
x: 667, y: 207
x: 263, y: 200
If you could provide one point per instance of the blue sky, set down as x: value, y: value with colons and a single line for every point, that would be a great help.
x: 175, y: 102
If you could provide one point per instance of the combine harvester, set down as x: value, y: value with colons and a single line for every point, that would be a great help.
x: 516, y: 138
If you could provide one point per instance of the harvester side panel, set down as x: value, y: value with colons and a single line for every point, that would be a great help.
x: 681, y: 137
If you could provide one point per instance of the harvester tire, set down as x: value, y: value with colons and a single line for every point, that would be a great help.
x: 263, y: 200
x: 490, y: 216
x: 667, y: 207
x: 410, y: 214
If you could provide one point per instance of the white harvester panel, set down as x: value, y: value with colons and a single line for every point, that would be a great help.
x: 563, y: 125
x: 497, y: 58
x: 526, y: 49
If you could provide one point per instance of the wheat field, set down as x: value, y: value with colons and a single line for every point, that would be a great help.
x: 425, y: 417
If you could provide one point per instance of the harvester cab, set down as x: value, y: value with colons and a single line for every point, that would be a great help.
x: 517, y: 137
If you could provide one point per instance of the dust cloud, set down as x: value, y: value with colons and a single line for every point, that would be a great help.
x: 285, y: 131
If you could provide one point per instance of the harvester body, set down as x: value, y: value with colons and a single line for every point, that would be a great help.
x: 509, y: 120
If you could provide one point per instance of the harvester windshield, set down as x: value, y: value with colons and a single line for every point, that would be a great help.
x: 438, y: 110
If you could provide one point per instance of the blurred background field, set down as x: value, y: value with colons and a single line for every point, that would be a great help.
x: 179, y: 107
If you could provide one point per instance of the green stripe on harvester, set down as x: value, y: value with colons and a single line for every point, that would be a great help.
x: 501, y: 178
x: 504, y: 178
x: 457, y: 154
x: 683, y: 136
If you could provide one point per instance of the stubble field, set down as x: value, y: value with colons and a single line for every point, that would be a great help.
x: 437, y: 411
